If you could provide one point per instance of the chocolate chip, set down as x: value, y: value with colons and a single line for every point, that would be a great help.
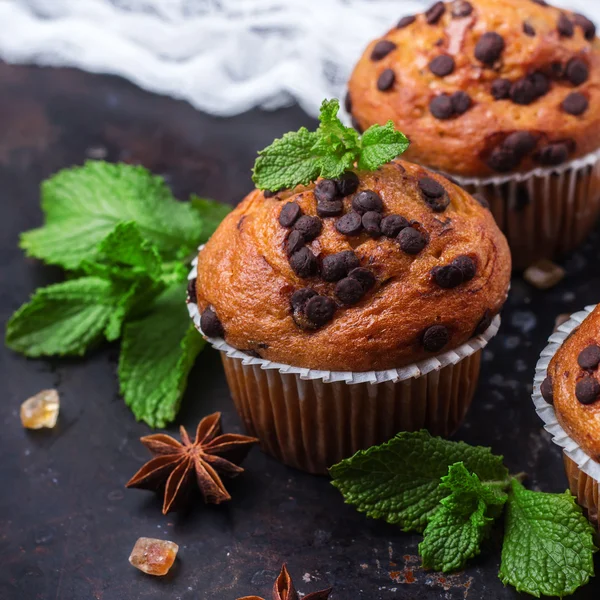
x: 523, y: 91
x: 577, y: 71
x: 435, y: 12
x: 467, y: 267
x: 447, y: 277
x: 348, y: 102
x: 565, y: 26
x: 501, y: 89
x: 461, y: 8
x: 557, y: 69
x: 483, y: 324
x: 575, y: 104
x: 442, y: 65
x: 367, y: 200
x: 371, y: 222
x: 587, y: 390
x: 589, y: 29
x: 441, y: 107
x: 301, y: 297
x: 347, y: 183
x: 411, y: 240
x: 547, y: 391
x: 330, y: 209
x: 295, y: 241
x: 386, y: 80
x: 482, y: 200
x: 502, y: 159
x: 589, y: 358
x: 309, y: 227
x: 336, y: 266
x: 489, y: 48
x: 461, y: 102
x: 349, y: 224
x: 435, y: 338
x: 528, y: 29
x: 406, y: 21
x: 210, y: 324
x: 319, y: 310
x: 349, y: 291
x: 303, y: 262
x: 553, y: 154
x: 289, y: 214
x: 191, y: 290
x: 541, y: 84
x: 356, y: 124
x: 392, y: 225
x: 520, y: 142
x: 364, y: 277
x: 434, y: 194
x: 326, y: 190
x: 271, y: 193
x: 381, y: 49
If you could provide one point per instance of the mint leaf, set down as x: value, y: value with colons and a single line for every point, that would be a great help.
x: 548, y: 543
x: 157, y: 353
x: 456, y: 530
x: 211, y: 212
x: 399, y: 481
x: 84, y: 204
x: 381, y: 144
x: 65, y: 318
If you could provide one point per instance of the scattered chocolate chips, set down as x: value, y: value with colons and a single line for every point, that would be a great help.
x: 461, y: 102
x: 271, y: 193
x: 367, y: 200
x: 326, y: 190
x: 541, y: 84
x: 441, y: 107
x: 565, y: 26
x: 289, y: 214
x: 371, y: 222
x: 337, y: 266
x: 392, y: 225
x: 435, y: 338
x: 467, y: 267
x: 210, y: 324
x: 461, y: 8
x: 528, y: 29
x: 513, y: 149
x: 547, y: 391
x: 406, y: 21
x: 520, y: 142
x: 301, y: 297
x: 319, y: 310
x: 501, y: 89
x: 435, y: 12
x: 553, y: 154
x: 381, y: 49
x: 489, y: 48
x: 577, y: 71
x: 589, y: 358
x: 587, y: 390
x: 349, y: 224
x: 575, y: 104
x: 502, y: 160
x: 303, y: 262
x: 330, y: 209
x: 482, y: 200
x: 523, y: 91
x: 295, y: 241
x: 434, y: 194
x: 309, y: 227
x: 347, y: 183
x: 589, y: 29
x: 386, y: 80
x: 349, y: 291
x: 483, y: 324
x: 348, y: 102
x: 411, y: 241
x: 364, y: 277
x: 447, y: 277
x: 442, y: 65
x: 191, y: 290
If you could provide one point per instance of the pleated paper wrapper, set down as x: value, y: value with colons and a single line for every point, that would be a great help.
x: 583, y: 472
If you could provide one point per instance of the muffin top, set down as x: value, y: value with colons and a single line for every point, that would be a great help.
x: 484, y: 87
x: 573, y: 385
x: 369, y: 271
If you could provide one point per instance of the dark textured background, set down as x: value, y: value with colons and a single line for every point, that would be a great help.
x: 67, y: 523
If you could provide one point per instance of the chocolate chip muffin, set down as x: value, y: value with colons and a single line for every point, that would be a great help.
x: 352, y: 308
x: 567, y: 394
x: 504, y: 97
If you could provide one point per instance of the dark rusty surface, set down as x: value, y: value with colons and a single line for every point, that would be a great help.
x: 67, y: 523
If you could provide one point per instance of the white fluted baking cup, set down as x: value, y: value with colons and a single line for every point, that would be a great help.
x: 451, y: 357
x: 546, y: 411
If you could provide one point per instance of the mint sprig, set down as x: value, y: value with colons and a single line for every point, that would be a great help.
x: 124, y: 241
x: 455, y: 492
x: 303, y: 156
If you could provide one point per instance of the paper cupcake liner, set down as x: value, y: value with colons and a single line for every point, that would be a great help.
x: 583, y: 471
x: 546, y: 212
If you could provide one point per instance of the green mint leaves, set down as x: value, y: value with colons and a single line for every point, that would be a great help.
x: 301, y: 157
x: 125, y: 242
x: 455, y: 493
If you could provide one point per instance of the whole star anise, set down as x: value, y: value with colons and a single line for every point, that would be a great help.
x: 284, y: 590
x: 177, y: 464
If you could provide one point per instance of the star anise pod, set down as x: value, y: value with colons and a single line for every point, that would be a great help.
x: 177, y: 464
x: 284, y: 590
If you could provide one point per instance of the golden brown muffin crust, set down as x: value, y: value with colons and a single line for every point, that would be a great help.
x: 245, y: 277
x: 537, y: 54
x: 577, y: 407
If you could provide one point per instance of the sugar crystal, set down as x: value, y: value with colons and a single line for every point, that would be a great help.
x: 152, y: 556
x: 40, y: 410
